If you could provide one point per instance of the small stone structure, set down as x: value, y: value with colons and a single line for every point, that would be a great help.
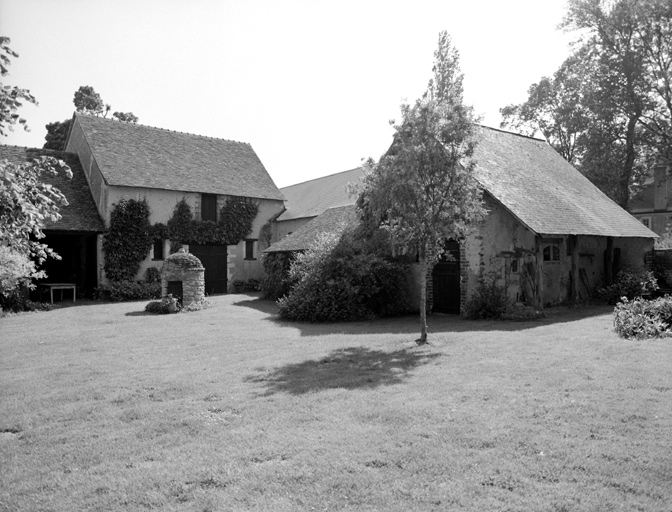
x: 183, y: 276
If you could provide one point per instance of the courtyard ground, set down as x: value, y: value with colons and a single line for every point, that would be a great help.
x: 103, y: 407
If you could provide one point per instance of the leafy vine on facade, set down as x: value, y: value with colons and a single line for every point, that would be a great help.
x: 128, y: 240
x: 235, y: 223
x: 130, y: 236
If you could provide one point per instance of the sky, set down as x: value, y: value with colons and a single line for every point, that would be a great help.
x: 311, y: 85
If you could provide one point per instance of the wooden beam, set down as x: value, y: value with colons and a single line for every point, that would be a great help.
x: 573, y: 241
x: 539, y: 278
x: 609, y: 261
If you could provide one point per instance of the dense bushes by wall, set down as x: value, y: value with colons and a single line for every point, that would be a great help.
x: 119, y: 291
x: 346, y: 276
x: 487, y: 301
x: 629, y: 284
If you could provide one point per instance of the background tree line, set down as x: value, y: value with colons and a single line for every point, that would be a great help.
x: 86, y: 101
x: 608, y: 108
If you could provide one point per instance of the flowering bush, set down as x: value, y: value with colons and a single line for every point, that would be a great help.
x: 641, y: 319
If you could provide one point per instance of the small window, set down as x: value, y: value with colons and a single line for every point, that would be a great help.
x: 209, y: 207
x: 249, y: 249
x: 551, y: 253
x: 646, y: 221
x: 514, y: 266
x: 158, y: 249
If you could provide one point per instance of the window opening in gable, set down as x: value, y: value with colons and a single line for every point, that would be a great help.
x: 646, y: 221
x: 209, y: 207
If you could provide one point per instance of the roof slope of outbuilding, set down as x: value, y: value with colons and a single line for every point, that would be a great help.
x: 135, y: 155
x: 330, y: 220
x: 80, y: 214
x: 311, y: 198
x: 546, y: 193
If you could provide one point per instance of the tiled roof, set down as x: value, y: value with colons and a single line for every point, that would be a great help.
x: 80, y: 214
x: 544, y: 191
x: 526, y: 175
x: 311, y: 198
x: 330, y: 220
x: 134, y: 155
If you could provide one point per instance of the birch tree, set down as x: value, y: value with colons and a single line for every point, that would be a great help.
x: 423, y: 189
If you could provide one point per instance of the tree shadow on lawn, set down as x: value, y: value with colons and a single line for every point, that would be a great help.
x: 437, y: 322
x: 347, y: 368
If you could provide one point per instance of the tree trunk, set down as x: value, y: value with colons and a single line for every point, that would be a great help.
x: 423, y: 296
x: 628, y: 165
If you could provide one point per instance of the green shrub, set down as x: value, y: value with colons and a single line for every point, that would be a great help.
x: 152, y: 275
x: 275, y: 283
x: 345, y: 276
x: 488, y: 301
x: 629, y: 284
x: 252, y: 285
x: 119, y: 291
x: 157, y: 307
x: 641, y: 319
x: 168, y: 304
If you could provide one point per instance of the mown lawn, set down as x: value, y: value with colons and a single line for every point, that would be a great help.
x: 105, y: 408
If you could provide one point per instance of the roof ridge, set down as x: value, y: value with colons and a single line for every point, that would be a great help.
x: 83, y: 114
x: 321, y: 177
x: 510, y: 133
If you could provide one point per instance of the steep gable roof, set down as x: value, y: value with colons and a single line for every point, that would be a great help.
x: 80, y: 214
x: 544, y: 191
x: 311, y: 198
x: 328, y: 221
x: 134, y: 155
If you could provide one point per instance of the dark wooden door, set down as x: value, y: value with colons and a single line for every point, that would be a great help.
x: 446, y: 277
x: 175, y: 289
x: 213, y: 258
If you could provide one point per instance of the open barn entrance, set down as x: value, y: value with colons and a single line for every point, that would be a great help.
x: 446, y: 280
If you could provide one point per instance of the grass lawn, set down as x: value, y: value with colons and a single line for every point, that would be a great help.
x: 105, y: 408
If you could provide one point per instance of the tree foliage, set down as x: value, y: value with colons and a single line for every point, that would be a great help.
x: 26, y: 202
x: 608, y: 108
x: 57, y: 134
x: 86, y: 101
x: 11, y: 97
x: 423, y: 190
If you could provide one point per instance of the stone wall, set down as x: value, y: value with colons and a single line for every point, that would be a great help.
x: 188, y: 269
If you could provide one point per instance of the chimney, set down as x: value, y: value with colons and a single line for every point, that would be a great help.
x: 660, y: 187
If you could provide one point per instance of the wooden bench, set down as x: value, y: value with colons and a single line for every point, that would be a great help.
x: 61, y: 286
